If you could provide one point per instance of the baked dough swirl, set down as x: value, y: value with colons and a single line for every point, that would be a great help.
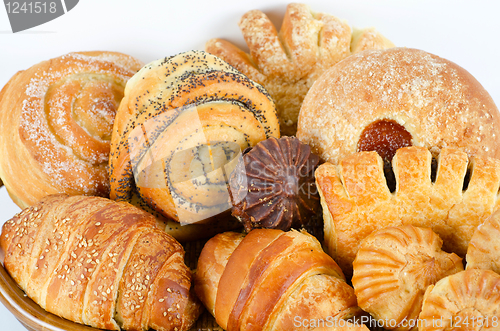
x: 180, y: 128
x: 56, y: 121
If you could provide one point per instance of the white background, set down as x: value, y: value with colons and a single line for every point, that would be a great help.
x: 466, y: 32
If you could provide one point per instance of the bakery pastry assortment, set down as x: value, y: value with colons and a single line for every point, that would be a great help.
x: 179, y: 132
x: 357, y: 201
x: 397, y: 149
x: 387, y: 99
x: 289, y: 62
x: 56, y: 120
x: 269, y: 280
x: 273, y: 185
x: 392, y: 270
x: 468, y: 300
x: 100, y: 263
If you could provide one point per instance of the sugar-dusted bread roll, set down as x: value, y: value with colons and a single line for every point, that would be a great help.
x: 56, y: 120
x: 101, y: 263
x: 287, y: 63
x: 468, y: 300
x: 272, y: 280
x: 383, y: 100
x: 180, y: 131
x: 393, y: 268
x: 453, y: 197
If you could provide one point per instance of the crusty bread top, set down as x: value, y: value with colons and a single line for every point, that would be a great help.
x: 439, y: 103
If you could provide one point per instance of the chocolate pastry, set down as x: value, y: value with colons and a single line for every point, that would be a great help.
x: 273, y: 185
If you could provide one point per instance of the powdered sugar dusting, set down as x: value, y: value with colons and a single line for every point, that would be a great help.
x: 72, y: 156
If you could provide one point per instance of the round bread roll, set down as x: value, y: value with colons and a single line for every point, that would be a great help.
x: 56, y: 120
x: 383, y: 100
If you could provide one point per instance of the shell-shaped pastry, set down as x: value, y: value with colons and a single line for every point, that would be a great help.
x: 484, y: 248
x: 394, y: 267
x: 468, y: 300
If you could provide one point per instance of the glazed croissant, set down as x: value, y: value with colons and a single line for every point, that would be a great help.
x: 452, y: 200
x: 271, y: 280
x: 100, y: 263
x: 179, y: 132
x: 56, y: 120
x: 287, y: 63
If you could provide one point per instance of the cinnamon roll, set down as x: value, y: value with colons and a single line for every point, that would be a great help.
x: 55, y: 122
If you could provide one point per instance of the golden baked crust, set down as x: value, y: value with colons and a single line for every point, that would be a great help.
x: 270, y: 279
x: 287, y: 63
x: 393, y: 268
x: 179, y: 132
x: 439, y: 103
x: 357, y: 201
x: 468, y: 300
x: 101, y: 263
x: 55, y: 122
x: 484, y: 247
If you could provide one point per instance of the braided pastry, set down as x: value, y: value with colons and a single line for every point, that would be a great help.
x: 287, y: 63
x: 270, y: 280
x: 179, y: 133
x: 451, y: 200
x: 101, y: 263
x: 56, y: 120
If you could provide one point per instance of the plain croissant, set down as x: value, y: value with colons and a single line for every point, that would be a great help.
x: 100, y: 263
x: 272, y: 280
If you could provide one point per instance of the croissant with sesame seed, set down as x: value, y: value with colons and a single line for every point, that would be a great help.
x: 288, y: 63
x: 178, y: 134
x: 100, y: 263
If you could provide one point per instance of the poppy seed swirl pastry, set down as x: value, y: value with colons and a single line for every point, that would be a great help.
x: 179, y: 132
x: 383, y: 100
x: 468, y: 300
x: 101, y: 263
x: 287, y: 63
x: 452, y: 198
x: 393, y: 268
x: 269, y: 280
x: 56, y: 120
